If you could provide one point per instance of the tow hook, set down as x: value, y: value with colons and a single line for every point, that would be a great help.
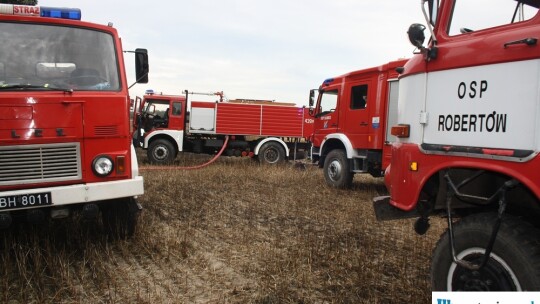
x: 500, y: 194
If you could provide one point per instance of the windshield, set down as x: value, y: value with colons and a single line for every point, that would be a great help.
x: 433, y: 7
x: 35, y: 57
x: 470, y: 16
x: 328, y: 102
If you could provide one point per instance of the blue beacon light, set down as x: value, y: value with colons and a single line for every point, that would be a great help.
x: 328, y: 81
x: 59, y: 12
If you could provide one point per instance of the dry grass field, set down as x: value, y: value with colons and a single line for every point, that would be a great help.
x: 234, y: 232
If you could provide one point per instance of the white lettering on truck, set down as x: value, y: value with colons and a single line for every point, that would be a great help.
x: 7, y: 202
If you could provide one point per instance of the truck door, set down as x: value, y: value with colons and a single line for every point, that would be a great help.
x: 356, y: 121
x: 326, y: 115
x: 176, y: 116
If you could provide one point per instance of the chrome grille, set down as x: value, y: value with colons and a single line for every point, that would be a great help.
x: 40, y: 163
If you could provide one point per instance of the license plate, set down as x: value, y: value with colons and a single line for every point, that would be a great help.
x: 25, y: 200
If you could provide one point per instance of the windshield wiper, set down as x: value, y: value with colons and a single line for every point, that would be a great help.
x: 32, y: 86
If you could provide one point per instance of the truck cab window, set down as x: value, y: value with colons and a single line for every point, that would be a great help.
x: 469, y: 16
x: 359, y: 97
x: 155, y: 114
x: 328, y: 102
x: 177, y: 108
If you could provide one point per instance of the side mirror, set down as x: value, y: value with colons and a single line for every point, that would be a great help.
x: 311, y: 98
x: 141, y: 65
x: 416, y: 35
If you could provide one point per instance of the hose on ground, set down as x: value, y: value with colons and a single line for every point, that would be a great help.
x: 191, y: 167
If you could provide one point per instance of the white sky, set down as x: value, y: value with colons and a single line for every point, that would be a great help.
x: 275, y: 50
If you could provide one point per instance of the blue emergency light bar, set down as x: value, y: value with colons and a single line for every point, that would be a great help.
x: 328, y: 81
x: 42, y: 11
x: 61, y: 12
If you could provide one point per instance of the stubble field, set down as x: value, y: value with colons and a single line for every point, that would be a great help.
x: 233, y: 232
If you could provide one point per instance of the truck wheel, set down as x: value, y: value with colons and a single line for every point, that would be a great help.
x: 337, y: 171
x: 161, y: 151
x: 120, y: 217
x: 271, y: 153
x: 514, y: 263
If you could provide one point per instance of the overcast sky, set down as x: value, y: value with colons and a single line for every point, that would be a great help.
x: 276, y: 50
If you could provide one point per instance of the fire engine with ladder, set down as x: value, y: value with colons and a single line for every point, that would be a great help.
x: 468, y: 144
x: 352, y: 115
x: 65, y: 141
x: 271, y: 132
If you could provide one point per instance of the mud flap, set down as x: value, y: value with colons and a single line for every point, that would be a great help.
x: 385, y: 212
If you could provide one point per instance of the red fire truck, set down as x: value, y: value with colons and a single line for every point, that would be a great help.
x: 65, y: 142
x: 269, y: 131
x: 468, y: 149
x: 351, y: 118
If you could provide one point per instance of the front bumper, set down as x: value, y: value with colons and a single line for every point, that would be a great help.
x: 84, y: 193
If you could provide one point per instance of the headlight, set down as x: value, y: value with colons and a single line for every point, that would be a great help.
x: 102, y: 165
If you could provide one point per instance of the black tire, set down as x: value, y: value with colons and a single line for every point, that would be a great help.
x: 514, y: 263
x: 161, y: 152
x: 120, y: 217
x: 337, y: 170
x: 271, y: 153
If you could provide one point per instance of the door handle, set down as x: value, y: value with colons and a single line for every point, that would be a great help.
x: 363, y: 124
x: 527, y: 41
x: 334, y: 125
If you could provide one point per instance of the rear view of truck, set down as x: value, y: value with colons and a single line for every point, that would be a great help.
x: 65, y: 142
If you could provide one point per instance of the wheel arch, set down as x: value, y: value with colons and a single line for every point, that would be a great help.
x: 523, y: 200
x: 335, y: 141
x: 175, y: 137
x: 271, y: 139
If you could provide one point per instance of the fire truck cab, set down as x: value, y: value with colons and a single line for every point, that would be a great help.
x: 350, y: 123
x: 65, y: 142
x: 467, y: 147
x: 164, y: 116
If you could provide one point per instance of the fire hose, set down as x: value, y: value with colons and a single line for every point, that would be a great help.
x: 191, y: 167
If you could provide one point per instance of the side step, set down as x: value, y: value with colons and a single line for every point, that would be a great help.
x: 385, y: 212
